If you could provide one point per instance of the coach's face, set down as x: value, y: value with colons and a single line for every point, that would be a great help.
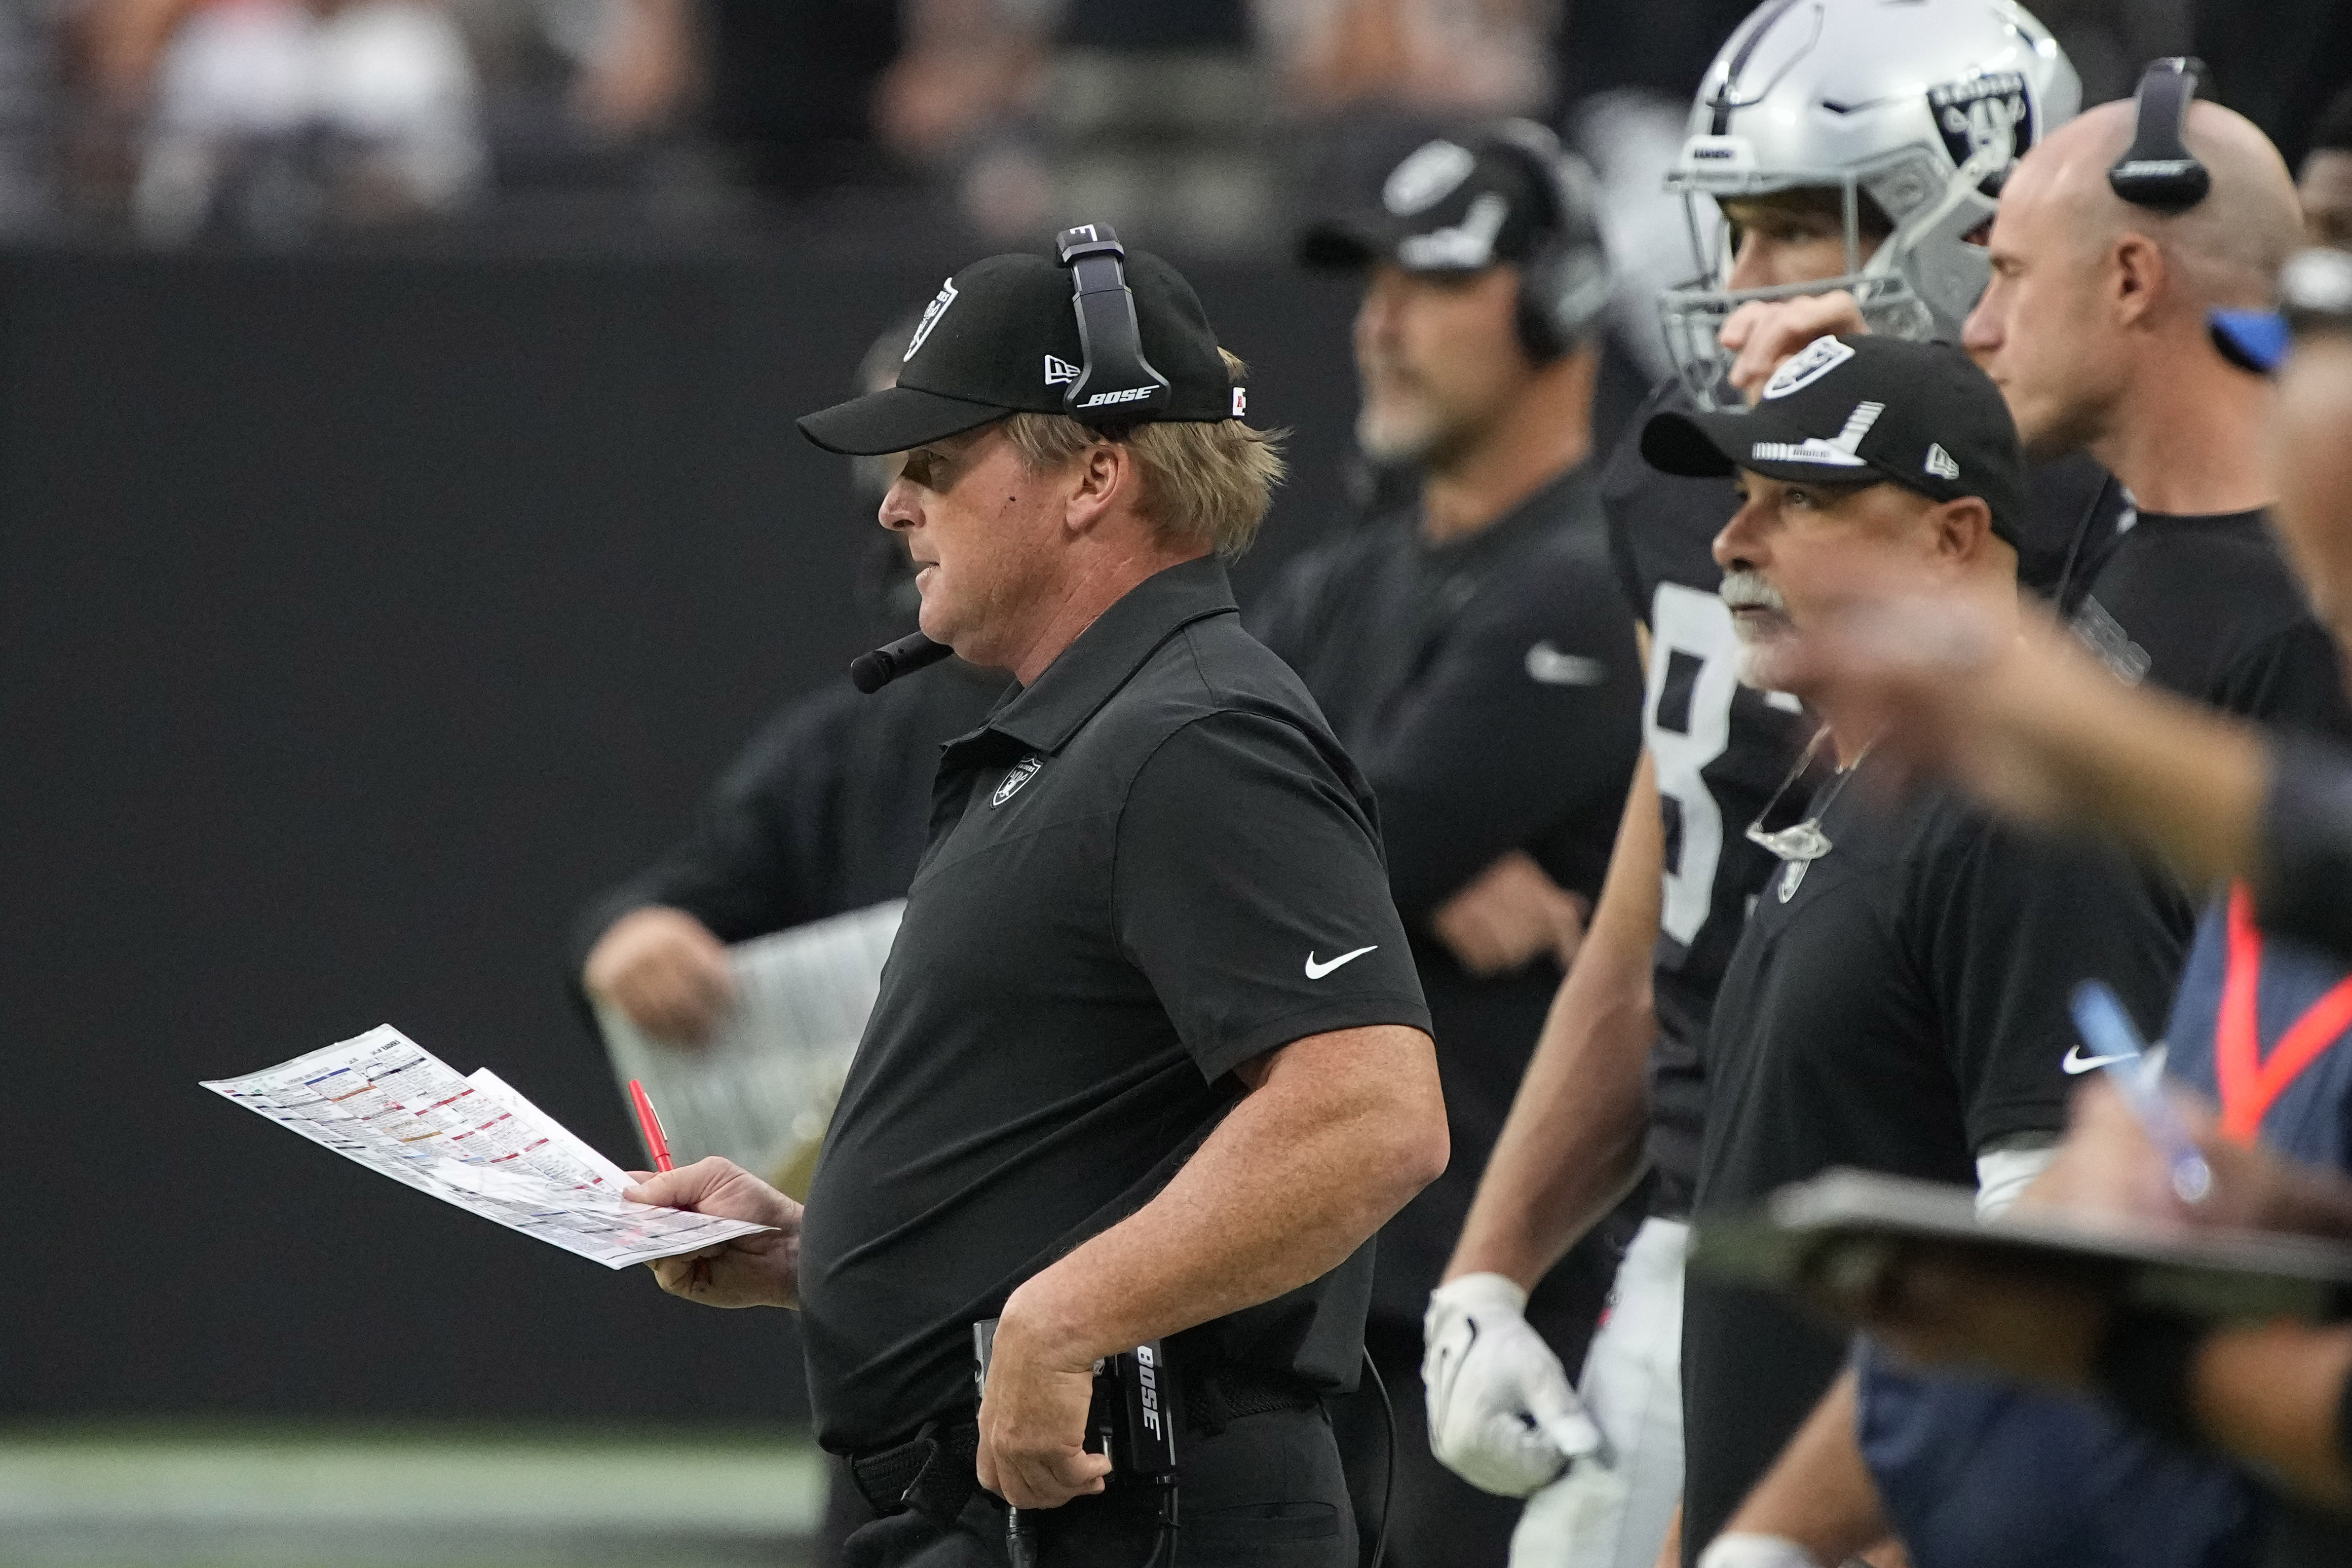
x: 1790, y: 543
x: 981, y: 527
x: 2042, y: 331
x: 1440, y: 360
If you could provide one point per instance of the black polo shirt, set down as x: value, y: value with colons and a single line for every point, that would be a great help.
x: 1898, y: 1005
x: 1147, y: 868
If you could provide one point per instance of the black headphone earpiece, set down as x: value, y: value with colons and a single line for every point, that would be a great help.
x: 2158, y: 171
x: 1564, y: 282
x: 1116, y: 384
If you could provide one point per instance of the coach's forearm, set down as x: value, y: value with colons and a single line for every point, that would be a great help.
x: 1338, y: 1133
x: 1572, y: 1142
x: 1819, y: 1493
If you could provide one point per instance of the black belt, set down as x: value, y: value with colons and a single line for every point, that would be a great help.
x: 935, y: 1470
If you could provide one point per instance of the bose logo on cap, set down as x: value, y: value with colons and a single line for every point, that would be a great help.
x: 1125, y: 394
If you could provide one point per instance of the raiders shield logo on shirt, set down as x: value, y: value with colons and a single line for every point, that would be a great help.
x: 1020, y: 773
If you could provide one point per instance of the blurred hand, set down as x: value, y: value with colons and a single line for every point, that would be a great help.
x: 643, y: 69
x: 665, y: 971
x: 758, y: 1270
x: 1947, y: 688
x: 1502, y: 1415
x: 2035, y: 1321
x: 1507, y: 915
x: 1032, y: 1419
x: 1763, y: 332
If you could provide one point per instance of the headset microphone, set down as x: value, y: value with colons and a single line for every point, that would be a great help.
x: 870, y: 672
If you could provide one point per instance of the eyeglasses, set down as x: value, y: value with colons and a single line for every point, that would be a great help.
x: 1804, y: 842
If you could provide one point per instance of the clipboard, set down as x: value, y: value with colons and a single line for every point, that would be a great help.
x: 1844, y: 1228
x: 761, y: 1090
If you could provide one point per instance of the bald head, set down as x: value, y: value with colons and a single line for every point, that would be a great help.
x: 2224, y: 251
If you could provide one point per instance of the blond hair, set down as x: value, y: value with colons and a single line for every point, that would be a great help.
x: 1204, y: 482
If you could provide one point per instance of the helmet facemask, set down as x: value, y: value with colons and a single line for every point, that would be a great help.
x: 1920, y: 282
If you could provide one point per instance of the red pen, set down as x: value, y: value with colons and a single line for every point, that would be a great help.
x: 651, y: 1124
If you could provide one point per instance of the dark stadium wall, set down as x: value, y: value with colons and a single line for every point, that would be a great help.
x: 359, y: 618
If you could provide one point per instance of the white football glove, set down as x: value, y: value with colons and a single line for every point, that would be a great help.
x: 1755, y: 1552
x: 1501, y: 1413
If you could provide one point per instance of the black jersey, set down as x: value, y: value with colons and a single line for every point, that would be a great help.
x: 1489, y: 688
x: 2206, y: 607
x: 1898, y: 1005
x: 1721, y: 749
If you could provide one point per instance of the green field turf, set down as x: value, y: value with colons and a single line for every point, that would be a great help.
x: 256, y: 1494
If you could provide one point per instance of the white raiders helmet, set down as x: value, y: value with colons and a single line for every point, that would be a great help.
x: 1921, y: 105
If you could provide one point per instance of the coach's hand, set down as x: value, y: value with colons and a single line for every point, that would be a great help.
x: 1508, y: 914
x: 665, y: 970
x: 1033, y: 1420
x: 761, y: 1269
x: 1763, y: 332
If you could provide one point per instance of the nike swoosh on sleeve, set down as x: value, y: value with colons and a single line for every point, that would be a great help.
x: 2077, y: 1062
x: 1316, y: 971
x: 1547, y: 666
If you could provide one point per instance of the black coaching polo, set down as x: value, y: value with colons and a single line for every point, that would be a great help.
x: 1147, y: 867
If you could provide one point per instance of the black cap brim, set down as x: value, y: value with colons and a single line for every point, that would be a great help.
x: 1686, y: 444
x: 1346, y: 244
x: 896, y: 419
x: 1712, y: 446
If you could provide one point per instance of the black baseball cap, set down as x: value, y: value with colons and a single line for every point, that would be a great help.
x: 1450, y: 205
x: 1002, y: 335
x: 1863, y: 410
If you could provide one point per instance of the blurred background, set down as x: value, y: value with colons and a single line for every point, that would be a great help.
x: 401, y: 522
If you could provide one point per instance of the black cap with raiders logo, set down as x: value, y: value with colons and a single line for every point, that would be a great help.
x: 1107, y: 335
x: 1863, y: 410
x: 1449, y: 206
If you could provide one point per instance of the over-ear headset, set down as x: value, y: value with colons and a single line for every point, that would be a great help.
x: 1564, y: 282
x: 1116, y: 384
x: 2158, y: 171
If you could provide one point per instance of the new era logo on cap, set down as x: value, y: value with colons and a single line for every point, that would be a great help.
x: 1939, y: 461
x: 1059, y: 373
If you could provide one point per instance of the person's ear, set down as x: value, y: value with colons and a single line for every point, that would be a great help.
x: 1963, y: 529
x: 2137, y: 270
x: 1101, y: 475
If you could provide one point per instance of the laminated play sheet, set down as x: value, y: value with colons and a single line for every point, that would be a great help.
x: 386, y: 1101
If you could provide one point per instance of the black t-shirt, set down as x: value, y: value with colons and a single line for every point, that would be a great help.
x: 1897, y: 1005
x: 1489, y: 688
x: 1152, y: 864
x: 824, y: 812
x: 1722, y: 750
x: 2206, y: 607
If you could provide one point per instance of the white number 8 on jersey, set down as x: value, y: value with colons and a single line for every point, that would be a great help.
x: 1687, y: 627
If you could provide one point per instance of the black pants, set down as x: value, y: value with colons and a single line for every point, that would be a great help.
x: 1267, y: 1492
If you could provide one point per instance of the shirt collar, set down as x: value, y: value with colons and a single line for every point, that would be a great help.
x: 1045, y: 714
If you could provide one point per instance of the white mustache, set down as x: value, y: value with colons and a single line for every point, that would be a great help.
x: 1748, y: 591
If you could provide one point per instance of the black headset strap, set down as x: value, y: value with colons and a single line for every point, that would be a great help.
x: 2158, y: 171
x: 1116, y: 383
